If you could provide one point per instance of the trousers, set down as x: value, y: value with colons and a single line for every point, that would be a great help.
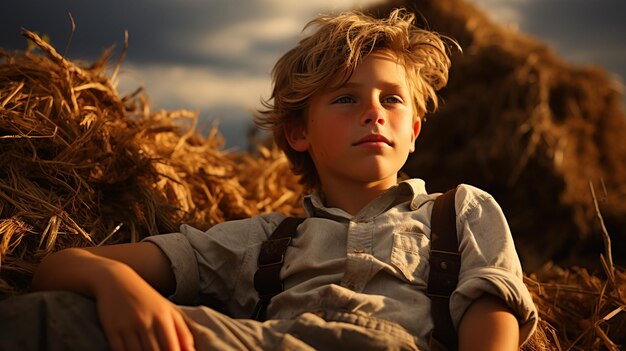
x: 67, y: 321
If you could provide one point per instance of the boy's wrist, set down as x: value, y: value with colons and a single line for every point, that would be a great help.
x: 79, y: 271
x: 108, y: 274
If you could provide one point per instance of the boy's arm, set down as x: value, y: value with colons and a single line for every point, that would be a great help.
x: 488, y: 324
x: 146, y: 259
x: 60, y: 270
x: 122, y: 279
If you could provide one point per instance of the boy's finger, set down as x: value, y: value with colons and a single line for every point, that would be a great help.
x: 166, y: 334
x: 184, y: 334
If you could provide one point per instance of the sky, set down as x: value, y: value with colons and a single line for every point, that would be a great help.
x: 215, y: 56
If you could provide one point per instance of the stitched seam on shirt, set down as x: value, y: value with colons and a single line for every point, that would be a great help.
x: 472, y: 205
x: 399, y: 241
x: 499, y: 268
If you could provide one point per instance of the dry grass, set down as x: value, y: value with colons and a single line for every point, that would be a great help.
x: 80, y: 165
x: 579, y: 311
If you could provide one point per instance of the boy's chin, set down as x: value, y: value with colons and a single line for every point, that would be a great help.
x: 378, y: 177
x: 375, y: 171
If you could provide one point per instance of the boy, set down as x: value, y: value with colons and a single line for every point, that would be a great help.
x: 346, y: 109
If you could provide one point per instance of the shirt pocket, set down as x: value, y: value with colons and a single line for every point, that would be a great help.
x: 409, y: 255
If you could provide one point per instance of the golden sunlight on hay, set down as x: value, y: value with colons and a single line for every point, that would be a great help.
x: 81, y: 165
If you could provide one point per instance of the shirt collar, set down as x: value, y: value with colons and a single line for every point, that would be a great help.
x: 413, y: 190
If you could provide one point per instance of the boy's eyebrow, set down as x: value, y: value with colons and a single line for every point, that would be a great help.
x: 386, y: 85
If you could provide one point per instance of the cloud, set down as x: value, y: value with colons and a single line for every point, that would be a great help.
x: 243, y: 42
x: 309, y: 8
x: 180, y: 86
x: 257, y: 41
x: 229, y: 65
x: 503, y: 12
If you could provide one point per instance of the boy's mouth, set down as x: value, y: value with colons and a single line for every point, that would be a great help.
x: 373, y: 138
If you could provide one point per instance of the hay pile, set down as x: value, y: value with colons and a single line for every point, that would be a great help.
x: 578, y: 311
x: 80, y: 165
x: 530, y: 129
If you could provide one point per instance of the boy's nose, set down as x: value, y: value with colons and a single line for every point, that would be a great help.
x: 374, y: 114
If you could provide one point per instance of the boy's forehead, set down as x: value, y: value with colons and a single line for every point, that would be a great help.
x: 386, y: 84
x: 345, y: 77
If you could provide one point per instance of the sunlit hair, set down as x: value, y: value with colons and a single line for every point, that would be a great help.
x: 330, y: 55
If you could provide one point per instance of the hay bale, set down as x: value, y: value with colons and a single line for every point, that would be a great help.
x: 530, y: 129
x: 81, y: 166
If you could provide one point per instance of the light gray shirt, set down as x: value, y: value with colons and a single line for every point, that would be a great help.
x: 374, y: 263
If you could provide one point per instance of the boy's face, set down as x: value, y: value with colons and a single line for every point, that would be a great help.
x: 364, y: 130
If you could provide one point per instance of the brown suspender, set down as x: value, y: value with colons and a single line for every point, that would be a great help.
x: 445, y: 263
x: 271, y: 258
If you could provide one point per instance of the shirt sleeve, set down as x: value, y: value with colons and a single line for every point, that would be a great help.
x: 490, y: 263
x: 183, y: 263
x: 211, y: 262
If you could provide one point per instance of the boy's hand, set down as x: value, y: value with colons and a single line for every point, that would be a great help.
x: 134, y: 316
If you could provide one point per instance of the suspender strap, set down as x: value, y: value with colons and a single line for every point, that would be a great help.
x: 271, y: 258
x: 445, y: 263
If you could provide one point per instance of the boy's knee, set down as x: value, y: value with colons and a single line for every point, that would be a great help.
x: 54, y: 320
x: 44, y: 304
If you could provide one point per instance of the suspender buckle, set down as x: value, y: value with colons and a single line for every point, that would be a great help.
x: 444, y: 272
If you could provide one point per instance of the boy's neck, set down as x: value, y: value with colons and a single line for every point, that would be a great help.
x: 351, y: 196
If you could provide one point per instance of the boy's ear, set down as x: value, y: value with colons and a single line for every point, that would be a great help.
x: 417, y: 127
x: 296, y: 136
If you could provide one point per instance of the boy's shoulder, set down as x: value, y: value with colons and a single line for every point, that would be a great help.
x: 475, y: 204
x: 468, y: 194
x: 467, y: 197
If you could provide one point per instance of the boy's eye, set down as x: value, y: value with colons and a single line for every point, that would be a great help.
x: 343, y: 100
x: 392, y: 100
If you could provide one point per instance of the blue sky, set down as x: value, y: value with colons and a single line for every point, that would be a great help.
x: 214, y: 56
